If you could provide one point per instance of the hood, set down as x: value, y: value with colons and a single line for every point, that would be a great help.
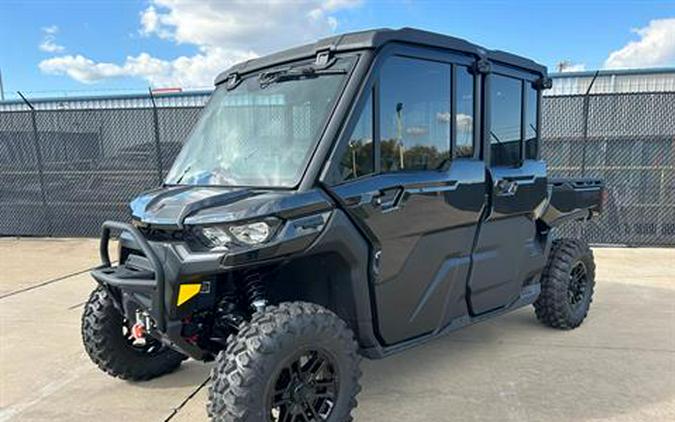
x: 192, y: 205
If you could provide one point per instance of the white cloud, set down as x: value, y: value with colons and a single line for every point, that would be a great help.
x: 52, y: 30
x: 443, y: 117
x: 149, y: 21
x: 656, y: 47
x: 193, y: 71
x: 48, y: 43
x: 416, y: 131
x: 223, y: 32
x: 464, y: 122
x: 259, y: 25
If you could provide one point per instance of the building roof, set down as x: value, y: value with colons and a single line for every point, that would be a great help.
x: 613, y: 81
x: 376, y: 38
x: 117, y: 101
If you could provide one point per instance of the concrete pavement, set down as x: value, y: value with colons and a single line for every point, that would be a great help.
x: 27, y: 263
x: 620, y: 365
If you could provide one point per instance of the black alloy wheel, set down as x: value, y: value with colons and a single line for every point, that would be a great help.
x: 578, y: 282
x: 567, y: 285
x: 306, y: 388
x: 292, y: 362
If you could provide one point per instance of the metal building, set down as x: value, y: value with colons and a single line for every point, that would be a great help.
x: 613, y: 82
x: 124, y: 101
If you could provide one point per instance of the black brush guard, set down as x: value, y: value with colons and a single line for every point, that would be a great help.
x: 106, y: 274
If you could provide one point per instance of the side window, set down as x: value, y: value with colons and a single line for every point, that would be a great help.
x: 464, y: 118
x: 358, y: 157
x: 505, y: 118
x: 414, y: 114
x: 531, y: 129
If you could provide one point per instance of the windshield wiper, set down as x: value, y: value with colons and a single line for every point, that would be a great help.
x: 180, y: 178
x: 292, y: 74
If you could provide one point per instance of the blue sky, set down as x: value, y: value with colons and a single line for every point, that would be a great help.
x: 51, y: 47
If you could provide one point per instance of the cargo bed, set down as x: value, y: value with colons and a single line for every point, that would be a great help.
x: 573, y: 199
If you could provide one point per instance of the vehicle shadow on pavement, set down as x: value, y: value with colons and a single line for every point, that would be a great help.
x: 619, y: 364
x: 190, y: 373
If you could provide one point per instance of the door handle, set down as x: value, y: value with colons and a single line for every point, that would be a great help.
x: 387, y: 200
x: 506, y: 187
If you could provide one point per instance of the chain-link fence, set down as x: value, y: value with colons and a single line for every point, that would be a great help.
x: 627, y: 140
x: 63, y: 172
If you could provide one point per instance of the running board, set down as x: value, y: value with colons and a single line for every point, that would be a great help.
x: 527, y: 296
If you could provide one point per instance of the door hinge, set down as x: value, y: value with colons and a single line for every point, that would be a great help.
x: 481, y: 67
x: 543, y: 83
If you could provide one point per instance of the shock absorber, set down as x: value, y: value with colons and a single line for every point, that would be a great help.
x: 255, y: 291
x: 228, y: 309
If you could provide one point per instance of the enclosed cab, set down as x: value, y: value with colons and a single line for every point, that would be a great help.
x: 362, y: 194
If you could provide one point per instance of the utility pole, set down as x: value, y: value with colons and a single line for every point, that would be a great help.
x: 2, y: 90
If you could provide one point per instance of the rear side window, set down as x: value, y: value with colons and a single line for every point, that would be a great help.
x: 505, y: 118
x: 414, y: 114
x: 464, y: 115
x: 531, y: 129
x: 358, y: 158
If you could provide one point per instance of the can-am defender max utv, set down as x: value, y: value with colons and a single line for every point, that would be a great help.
x: 357, y: 196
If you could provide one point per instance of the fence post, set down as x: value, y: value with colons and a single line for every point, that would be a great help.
x: 38, y: 157
x: 586, y: 111
x: 587, y: 107
x: 158, y: 147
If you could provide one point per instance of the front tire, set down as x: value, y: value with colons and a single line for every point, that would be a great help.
x: 566, y: 285
x: 295, y: 361
x: 107, y: 340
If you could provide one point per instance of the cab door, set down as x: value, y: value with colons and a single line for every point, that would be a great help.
x: 411, y: 179
x: 508, y: 251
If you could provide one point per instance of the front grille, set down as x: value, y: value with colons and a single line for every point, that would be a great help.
x: 163, y: 235
x: 190, y: 238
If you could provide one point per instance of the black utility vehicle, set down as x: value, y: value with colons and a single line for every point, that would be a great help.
x: 357, y: 196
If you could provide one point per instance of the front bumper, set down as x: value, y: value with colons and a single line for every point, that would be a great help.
x: 154, y: 278
x: 152, y: 283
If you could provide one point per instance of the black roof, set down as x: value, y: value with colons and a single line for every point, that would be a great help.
x: 376, y: 38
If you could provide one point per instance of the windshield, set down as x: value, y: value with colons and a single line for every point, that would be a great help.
x: 261, y: 133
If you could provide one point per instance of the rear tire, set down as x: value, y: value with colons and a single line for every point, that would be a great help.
x: 104, y: 338
x: 566, y: 285
x: 262, y: 376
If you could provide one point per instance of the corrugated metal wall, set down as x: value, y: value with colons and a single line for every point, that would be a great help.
x: 613, y: 82
x: 184, y: 99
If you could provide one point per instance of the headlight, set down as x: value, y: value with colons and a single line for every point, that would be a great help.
x: 252, y: 233
x: 224, y: 237
x: 217, y: 236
